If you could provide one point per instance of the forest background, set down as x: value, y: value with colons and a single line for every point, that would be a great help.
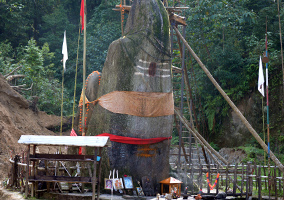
x: 227, y: 35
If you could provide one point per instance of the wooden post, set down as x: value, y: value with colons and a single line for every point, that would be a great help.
x: 279, y: 175
x: 217, y: 186
x: 94, y: 179
x: 242, y: 182
x: 259, y: 182
x: 209, y: 174
x: 33, y: 173
x: 283, y: 182
x: 222, y: 181
x: 256, y: 179
x: 247, y: 181
x: 250, y: 178
x: 200, y: 172
x: 100, y: 166
x: 255, y: 171
x: 275, y: 181
x: 264, y: 173
x: 192, y: 174
x: 36, y: 173
x: 235, y: 179
x: 27, y: 172
x: 47, y: 174
x: 227, y: 168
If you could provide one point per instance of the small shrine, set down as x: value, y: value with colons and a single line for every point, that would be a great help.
x: 171, y: 185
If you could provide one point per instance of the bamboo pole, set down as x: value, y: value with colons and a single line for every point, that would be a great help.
x: 74, y: 97
x: 233, y: 106
x: 122, y: 16
x: 84, y: 75
x: 201, y: 140
x: 280, y: 35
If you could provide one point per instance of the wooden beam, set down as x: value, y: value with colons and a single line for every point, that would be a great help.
x: 63, y: 157
x: 126, y: 8
x: 60, y: 179
x: 179, y: 19
x: 176, y: 69
x: 176, y: 8
x: 88, y: 141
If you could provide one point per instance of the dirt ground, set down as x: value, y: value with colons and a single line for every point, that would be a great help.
x: 18, y: 118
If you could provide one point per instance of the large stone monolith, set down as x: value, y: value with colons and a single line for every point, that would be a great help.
x: 136, y: 70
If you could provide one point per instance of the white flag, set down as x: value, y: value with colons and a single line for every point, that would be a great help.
x: 64, y: 51
x: 260, y: 78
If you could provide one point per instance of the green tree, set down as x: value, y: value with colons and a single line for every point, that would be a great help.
x: 39, y: 73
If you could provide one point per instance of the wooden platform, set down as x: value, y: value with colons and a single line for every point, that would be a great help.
x: 33, y: 158
x: 171, y: 11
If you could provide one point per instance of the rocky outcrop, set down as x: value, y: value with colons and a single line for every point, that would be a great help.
x: 234, y: 133
x: 138, y: 62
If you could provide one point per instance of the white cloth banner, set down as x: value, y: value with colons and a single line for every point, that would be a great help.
x: 64, y: 51
x: 260, y: 78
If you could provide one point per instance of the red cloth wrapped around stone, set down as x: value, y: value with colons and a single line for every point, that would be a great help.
x: 131, y: 140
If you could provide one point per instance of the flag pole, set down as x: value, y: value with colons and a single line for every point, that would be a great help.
x: 263, y: 130
x: 84, y: 76
x: 267, y: 105
x: 260, y: 86
x: 65, y: 57
x: 62, y: 101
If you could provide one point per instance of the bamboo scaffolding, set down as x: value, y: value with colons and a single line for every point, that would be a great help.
x: 233, y: 106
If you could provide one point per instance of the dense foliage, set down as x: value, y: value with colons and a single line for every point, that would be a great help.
x: 228, y: 36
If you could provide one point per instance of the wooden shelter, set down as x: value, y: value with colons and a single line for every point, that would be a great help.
x: 173, y: 184
x: 97, y: 142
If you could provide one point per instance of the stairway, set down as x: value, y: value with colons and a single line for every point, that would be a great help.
x: 189, y: 155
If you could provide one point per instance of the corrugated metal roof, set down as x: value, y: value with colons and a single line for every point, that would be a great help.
x: 89, y: 141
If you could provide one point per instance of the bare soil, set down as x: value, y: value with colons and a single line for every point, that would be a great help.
x: 18, y: 118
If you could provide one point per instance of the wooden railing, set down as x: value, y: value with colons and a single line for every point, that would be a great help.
x: 242, y: 180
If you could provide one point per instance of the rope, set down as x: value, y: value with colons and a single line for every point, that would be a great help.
x: 86, y: 103
x: 73, y: 115
x: 216, y: 181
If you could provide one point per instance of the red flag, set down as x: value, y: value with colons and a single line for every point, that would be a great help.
x: 82, y: 14
x: 73, y: 133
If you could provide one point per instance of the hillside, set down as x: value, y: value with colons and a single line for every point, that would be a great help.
x: 16, y: 119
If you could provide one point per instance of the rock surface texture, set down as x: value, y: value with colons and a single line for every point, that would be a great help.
x: 138, y: 62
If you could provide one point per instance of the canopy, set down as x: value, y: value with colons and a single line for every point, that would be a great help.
x: 170, y: 180
x: 174, y: 185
